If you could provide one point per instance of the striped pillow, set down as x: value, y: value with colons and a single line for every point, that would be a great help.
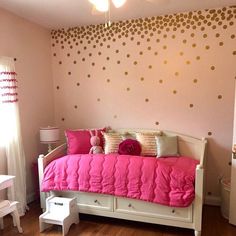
x: 112, y: 141
x: 148, y: 143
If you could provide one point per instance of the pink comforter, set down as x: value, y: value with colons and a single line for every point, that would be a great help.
x: 168, y: 181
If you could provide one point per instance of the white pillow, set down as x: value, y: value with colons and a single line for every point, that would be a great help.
x: 167, y: 146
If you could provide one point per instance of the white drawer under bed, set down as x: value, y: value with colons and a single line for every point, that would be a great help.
x: 142, y: 208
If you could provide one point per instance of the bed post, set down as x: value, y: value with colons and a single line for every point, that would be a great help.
x: 40, y: 171
x: 199, y: 190
x: 198, y: 201
x: 43, y: 161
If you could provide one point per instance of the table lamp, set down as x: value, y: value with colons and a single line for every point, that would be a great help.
x: 49, y: 135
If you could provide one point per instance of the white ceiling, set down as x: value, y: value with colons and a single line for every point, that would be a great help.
x: 55, y: 14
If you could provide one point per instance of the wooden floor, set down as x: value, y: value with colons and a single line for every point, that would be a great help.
x: 213, y: 225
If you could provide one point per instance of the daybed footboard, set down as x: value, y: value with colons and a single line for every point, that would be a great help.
x: 43, y: 161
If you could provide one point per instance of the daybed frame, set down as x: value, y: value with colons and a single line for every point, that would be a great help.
x: 137, y: 210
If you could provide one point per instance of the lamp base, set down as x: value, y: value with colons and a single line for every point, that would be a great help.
x: 49, y: 147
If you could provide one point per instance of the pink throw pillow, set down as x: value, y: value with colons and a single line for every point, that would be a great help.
x: 130, y: 147
x: 78, y: 141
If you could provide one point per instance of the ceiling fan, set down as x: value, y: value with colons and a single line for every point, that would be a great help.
x: 103, y: 6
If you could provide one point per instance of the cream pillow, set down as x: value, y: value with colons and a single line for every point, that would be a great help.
x: 148, y: 143
x: 111, y: 142
x: 167, y: 146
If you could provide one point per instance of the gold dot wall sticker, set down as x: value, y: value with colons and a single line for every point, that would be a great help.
x: 98, y: 53
x: 209, y: 133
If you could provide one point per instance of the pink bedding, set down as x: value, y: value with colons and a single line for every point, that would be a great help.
x: 168, y: 181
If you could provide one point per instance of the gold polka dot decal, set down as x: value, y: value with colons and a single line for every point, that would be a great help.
x: 175, y: 44
x: 145, y: 29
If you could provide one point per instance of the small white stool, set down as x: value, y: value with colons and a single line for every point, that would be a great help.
x: 10, y: 208
x: 59, y: 211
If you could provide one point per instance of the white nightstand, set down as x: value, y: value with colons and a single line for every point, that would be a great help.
x: 9, y: 207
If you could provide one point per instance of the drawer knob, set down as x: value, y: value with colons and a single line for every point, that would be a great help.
x: 173, y: 211
x: 130, y: 205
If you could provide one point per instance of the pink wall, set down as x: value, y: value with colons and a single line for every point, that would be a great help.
x: 30, y: 45
x: 172, y: 72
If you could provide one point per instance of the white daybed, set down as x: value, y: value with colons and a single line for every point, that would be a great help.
x: 137, y: 210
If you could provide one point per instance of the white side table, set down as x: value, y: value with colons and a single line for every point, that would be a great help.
x: 6, y: 181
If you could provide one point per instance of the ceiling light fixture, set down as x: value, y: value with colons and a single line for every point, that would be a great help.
x: 104, y: 6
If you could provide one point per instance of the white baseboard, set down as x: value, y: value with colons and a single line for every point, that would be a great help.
x: 212, y: 200
x: 30, y: 197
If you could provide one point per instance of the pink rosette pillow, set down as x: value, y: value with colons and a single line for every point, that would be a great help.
x: 129, y: 147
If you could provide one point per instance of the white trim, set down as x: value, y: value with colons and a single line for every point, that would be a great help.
x: 212, y: 200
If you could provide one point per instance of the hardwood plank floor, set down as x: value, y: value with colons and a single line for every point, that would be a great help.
x: 213, y: 225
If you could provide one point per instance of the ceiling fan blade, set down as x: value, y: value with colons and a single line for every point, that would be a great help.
x: 95, y: 12
x: 158, y: 1
x: 118, y: 3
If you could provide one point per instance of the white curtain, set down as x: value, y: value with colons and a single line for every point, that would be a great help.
x: 10, y: 134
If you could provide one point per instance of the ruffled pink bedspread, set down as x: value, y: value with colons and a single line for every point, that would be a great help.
x: 168, y: 181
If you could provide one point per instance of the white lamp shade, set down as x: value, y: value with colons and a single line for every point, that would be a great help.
x: 49, y: 135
